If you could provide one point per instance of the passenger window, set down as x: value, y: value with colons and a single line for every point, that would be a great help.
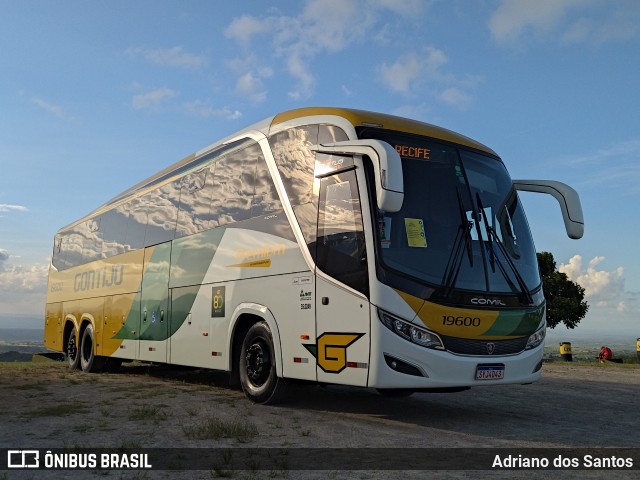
x: 92, y: 243
x: 265, y: 199
x: 234, y: 187
x: 162, y: 213
x: 331, y: 134
x: 295, y: 161
x: 113, y: 229
x: 194, y: 214
x: 60, y: 251
x: 73, y: 246
x: 340, y: 247
x: 136, y: 223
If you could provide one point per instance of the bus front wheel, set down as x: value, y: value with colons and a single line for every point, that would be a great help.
x: 258, y: 377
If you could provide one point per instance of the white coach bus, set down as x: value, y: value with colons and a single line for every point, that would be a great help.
x: 322, y: 244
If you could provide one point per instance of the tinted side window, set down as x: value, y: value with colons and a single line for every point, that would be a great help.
x: 265, y: 199
x: 331, y: 134
x: 59, y: 253
x: 73, y: 245
x: 194, y: 214
x: 136, y: 223
x: 162, y: 213
x: 340, y: 246
x: 234, y: 179
x: 113, y: 228
x: 295, y: 161
x: 92, y: 243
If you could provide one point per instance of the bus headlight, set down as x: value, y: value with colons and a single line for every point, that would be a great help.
x: 537, y: 338
x: 410, y: 332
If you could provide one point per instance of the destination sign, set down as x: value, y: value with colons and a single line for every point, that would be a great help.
x: 408, y: 151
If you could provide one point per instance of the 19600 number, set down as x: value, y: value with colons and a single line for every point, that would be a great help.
x: 450, y: 320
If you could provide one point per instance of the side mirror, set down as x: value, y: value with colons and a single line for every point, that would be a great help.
x: 566, y: 196
x: 386, y: 165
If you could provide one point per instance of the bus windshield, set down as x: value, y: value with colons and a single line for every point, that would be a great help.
x: 461, y: 225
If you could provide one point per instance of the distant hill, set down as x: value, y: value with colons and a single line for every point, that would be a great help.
x: 15, y: 357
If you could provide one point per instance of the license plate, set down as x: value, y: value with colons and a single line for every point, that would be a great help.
x: 491, y: 371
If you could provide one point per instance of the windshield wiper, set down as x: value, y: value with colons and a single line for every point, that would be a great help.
x: 491, y: 235
x: 463, y: 237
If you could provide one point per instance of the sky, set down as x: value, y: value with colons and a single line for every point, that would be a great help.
x: 97, y: 96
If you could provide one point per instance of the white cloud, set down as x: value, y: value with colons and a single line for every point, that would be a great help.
x: 323, y: 26
x: 400, y: 76
x: 169, y: 57
x: 571, y: 21
x: 456, y: 97
x: 52, y: 108
x: 203, y: 109
x: 415, y: 73
x: 251, y: 86
x: 22, y: 288
x: 244, y: 28
x: 12, y: 208
x: 601, y: 287
x: 152, y: 99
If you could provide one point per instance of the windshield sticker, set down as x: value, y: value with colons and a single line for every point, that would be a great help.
x: 415, y: 232
x: 384, y: 226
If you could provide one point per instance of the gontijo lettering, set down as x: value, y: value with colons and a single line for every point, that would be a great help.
x: 99, y: 278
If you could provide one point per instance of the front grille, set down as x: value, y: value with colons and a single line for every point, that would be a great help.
x: 465, y: 346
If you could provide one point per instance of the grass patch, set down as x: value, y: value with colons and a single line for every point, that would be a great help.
x: 60, y: 410
x: 129, y: 444
x: 215, y: 428
x: 9, y: 370
x: 149, y: 412
x: 31, y: 386
x: 83, y: 428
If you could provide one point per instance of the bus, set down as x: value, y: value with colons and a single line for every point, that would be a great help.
x: 326, y: 245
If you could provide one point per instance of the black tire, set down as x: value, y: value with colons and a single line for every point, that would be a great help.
x: 395, y: 392
x: 258, y: 377
x: 71, y: 352
x: 89, y: 361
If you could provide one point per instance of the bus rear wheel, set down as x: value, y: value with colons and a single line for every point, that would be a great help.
x: 258, y: 377
x: 89, y: 361
x: 71, y: 350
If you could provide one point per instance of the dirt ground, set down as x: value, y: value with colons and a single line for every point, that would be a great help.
x: 44, y: 405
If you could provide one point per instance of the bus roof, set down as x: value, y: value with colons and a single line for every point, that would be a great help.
x: 382, y: 120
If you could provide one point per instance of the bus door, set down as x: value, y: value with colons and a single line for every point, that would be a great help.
x: 342, y: 308
x: 154, y: 303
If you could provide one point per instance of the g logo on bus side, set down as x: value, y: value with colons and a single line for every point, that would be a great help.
x: 331, y: 350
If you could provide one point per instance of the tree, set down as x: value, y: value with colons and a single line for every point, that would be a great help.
x: 565, y: 299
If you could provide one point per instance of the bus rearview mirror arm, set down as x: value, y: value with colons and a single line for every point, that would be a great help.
x: 566, y: 196
x: 386, y: 165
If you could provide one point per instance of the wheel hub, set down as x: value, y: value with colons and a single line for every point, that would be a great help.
x: 71, y: 347
x: 258, y: 363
